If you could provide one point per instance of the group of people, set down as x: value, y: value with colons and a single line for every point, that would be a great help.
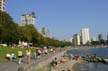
x: 37, y: 54
x: 10, y: 56
x: 57, y: 61
x: 27, y: 55
x: 40, y: 52
x: 19, y: 56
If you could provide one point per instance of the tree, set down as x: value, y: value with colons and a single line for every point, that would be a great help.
x: 106, y: 42
x: 102, y: 42
x: 95, y: 43
x: 10, y: 32
x: 7, y: 28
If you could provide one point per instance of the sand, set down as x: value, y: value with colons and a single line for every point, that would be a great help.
x: 67, y: 65
x: 75, y: 68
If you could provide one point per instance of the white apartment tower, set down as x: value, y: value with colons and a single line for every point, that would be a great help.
x: 85, y: 35
x: 76, y: 39
x: 27, y: 19
x: 2, y: 5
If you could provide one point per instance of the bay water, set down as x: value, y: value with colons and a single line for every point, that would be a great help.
x: 90, y: 66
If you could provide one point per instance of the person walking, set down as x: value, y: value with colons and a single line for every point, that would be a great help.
x: 28, y: 54
x: 20, y: 54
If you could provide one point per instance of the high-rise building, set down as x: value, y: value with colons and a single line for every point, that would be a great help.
x: 93, y: 39
x: 2, y: 5
x: 45, y: 32
x: 107, y: 37
x: 76, y: 39
x: 27, y: 19
x: 85, y: 35
x: 100, y: 37
x: 71, y: 39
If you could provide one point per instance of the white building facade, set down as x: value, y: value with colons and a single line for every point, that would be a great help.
x: 76, y: 39
x: 27, y: 19
x: 2, y: 5
x: 71, y: 40
x: 85, y: 35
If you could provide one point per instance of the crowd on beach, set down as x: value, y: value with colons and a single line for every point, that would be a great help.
x: 56, y: 62
x: 39, y: 52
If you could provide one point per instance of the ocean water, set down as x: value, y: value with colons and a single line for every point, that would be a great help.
x: 90, y: 66
x: 100, y: 52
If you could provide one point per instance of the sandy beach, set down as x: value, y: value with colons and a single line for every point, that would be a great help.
x: 67, y: 65
x: 75, y: 68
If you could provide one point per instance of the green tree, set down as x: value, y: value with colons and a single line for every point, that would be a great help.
x: 7, y: 28
x: 106, y: 42
x: 102, y: 42
x: 10, y: 32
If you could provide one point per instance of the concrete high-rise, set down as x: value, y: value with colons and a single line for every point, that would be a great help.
x: 76, y: 39
x: 107, y: 37
x: 45, y: 32
x: 85, y: 35
x: 71, y: 39
x: 100, y: 37
x: 27, y: 19
x: 2, y: 5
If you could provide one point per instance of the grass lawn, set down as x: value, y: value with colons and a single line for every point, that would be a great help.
x: 5, y: 50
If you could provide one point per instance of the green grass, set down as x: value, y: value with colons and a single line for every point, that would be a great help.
x: 5, y: 50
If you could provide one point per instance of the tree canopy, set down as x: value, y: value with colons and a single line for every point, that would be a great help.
x: 10, y: 32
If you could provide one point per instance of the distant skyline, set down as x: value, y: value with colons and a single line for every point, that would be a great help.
x: 64, y: 18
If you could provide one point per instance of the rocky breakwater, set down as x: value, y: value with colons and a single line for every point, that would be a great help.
x: 94, y: 58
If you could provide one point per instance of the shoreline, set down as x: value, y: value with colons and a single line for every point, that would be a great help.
x: 75, y: 66
x: 70, y: 64
x: 67, y: 65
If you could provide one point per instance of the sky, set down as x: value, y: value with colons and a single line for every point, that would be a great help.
x: 64, y: 18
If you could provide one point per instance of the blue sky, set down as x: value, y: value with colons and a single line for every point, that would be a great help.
x: 64, y: 18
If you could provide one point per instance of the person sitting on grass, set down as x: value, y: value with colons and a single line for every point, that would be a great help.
x: 13, y: 56
x: 10, y: 56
